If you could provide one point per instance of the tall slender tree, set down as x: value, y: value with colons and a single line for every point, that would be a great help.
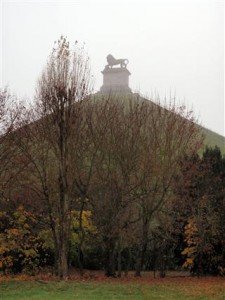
x: 48, y: 139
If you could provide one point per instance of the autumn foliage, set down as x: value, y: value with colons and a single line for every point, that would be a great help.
x: 111, y: 182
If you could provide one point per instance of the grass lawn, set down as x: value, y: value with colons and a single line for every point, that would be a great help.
x: 175, y: 288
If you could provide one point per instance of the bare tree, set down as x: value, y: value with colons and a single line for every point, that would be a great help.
x: 170, y: 133
x: 63, y: 86
x: 138, y: 147
x: 115, y: 135
x: 48, y: 139
x: 9, y: 115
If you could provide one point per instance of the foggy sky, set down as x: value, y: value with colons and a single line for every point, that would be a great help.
x: 173, y: 46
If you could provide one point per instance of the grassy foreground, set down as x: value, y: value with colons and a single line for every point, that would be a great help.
x: 186, y: 288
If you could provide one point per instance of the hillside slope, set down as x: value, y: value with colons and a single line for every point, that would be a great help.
x: 213, y: 139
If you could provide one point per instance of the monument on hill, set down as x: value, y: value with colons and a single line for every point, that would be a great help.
x: 115, y: 79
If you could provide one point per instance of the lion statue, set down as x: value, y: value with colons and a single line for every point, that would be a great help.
x: 113, y: 62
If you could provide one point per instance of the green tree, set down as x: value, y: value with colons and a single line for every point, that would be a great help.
x: 203, y: 192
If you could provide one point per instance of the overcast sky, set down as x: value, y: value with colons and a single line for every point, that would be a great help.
x: 173, y: 46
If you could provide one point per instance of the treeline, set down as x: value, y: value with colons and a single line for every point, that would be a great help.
x: 187, y: 232
x: 109, y: 182
x: 200, y: 202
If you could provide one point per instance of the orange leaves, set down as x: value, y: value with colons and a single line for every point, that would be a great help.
x: 191, y: 239
x: 191, y: 233
x: 13, y: 232
x: 189, y: 262
x: 18, y: 244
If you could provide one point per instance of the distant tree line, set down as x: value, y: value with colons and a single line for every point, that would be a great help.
x: 111, y: 182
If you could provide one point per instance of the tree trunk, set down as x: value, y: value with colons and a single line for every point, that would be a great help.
x: 81, y: 235
x: 128, y: 261
x: 64, y: 216
x: 138, y: 265
x: 119, y: 263
x: 110, y: 259
x: 63, y: 259
x: 80, y: 260
x: 142, y: 251
x: 162, y: 272
x: 64, y: 234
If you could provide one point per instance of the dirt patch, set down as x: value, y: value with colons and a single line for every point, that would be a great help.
x: 173, y: 279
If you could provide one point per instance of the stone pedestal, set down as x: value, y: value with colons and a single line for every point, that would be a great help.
x: 115, y: 80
